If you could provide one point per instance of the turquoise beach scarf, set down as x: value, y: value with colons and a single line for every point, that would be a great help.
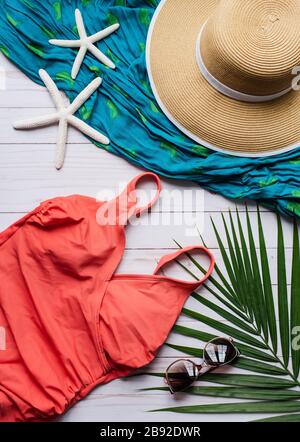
x: 124, y: 108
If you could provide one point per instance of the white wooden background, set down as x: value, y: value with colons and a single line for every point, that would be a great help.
x: 28, y: 176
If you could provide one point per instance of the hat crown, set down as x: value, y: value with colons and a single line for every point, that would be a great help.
x: 252, y: 46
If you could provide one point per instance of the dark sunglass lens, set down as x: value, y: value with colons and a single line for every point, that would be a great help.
x: 219, y: 352
x: 181, y: 375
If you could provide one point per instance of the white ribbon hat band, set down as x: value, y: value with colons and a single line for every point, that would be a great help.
x: 225, y: 90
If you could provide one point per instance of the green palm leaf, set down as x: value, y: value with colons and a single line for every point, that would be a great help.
x: 192, y: 333
x: 258, y: 367
x: 237, y: 393
x: 192, y: 351
x: 252, y: 305
x: 226, y: 314
x: 283, y: 309
x: 258, y: 290
x: 265, y: 270
x: 223, y: 328
x: 240, y: 407
x: 295, y: 299
x: 284, y: 418
x: 224, y: 282
x: 226, y: 260
x: 254, y: 381
x: 241, y: 267
x: 229, y: 306
x: 239, y: 302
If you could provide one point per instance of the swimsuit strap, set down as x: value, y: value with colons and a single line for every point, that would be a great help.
x: 132, y: 197
x: 169, y: 258
x: 122, y: 208
x: 119, y: 210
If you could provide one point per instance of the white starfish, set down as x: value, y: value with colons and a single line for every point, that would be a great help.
x: 64, y: 116
x: 86, y: 43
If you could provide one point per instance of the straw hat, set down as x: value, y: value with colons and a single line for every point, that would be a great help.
x: 225, y: 71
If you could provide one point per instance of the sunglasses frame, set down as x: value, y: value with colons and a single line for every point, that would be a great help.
x: 204, y: 367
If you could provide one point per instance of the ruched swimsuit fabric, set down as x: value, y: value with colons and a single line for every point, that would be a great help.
x: 125, y: 109
x: 70, y: 322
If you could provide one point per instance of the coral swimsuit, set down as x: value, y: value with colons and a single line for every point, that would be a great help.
x: 70, y: 322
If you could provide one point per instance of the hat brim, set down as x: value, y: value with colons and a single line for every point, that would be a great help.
x: 195, y: 107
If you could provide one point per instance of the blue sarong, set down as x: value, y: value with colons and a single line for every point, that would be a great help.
x: 125, y: 109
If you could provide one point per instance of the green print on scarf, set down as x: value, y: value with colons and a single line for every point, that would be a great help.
x: 152, y: 3
x: 169, y: 147
x: 85, y: 112
x: 142, y: 46
x: 144, y: 16
x: 28, y: 3
x: 112, y: 56
x: 118, y: 89
x: 36, y: 49
x: 106, y: 147
x: 111, y: 19
x: 57, y: 10
x: 85, y: 2
x: 132, y: 153
x: 154, y: 108
x: 96, y: 70
x: 47, y: 32
x: 296, y: 161
x: 144, y: 119
x: 201, y: 150
x: 65, y: 76
x: 146, y: 85
x: 4, y: 51
x: 269, y: 182
x: 296, y: 193
x: 12, y: 21
x: 112, y: 109
x: 75, y: 30
x: 294, y: 208
x: 120, y: 3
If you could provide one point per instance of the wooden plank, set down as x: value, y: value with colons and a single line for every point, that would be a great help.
x: 16, y: 82
x: 28, y: 176
x: 136, y: 408
x: 6, y: 63
x: 35, y: 98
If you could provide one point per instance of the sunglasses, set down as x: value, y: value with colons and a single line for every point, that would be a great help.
x: 182, y: 373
